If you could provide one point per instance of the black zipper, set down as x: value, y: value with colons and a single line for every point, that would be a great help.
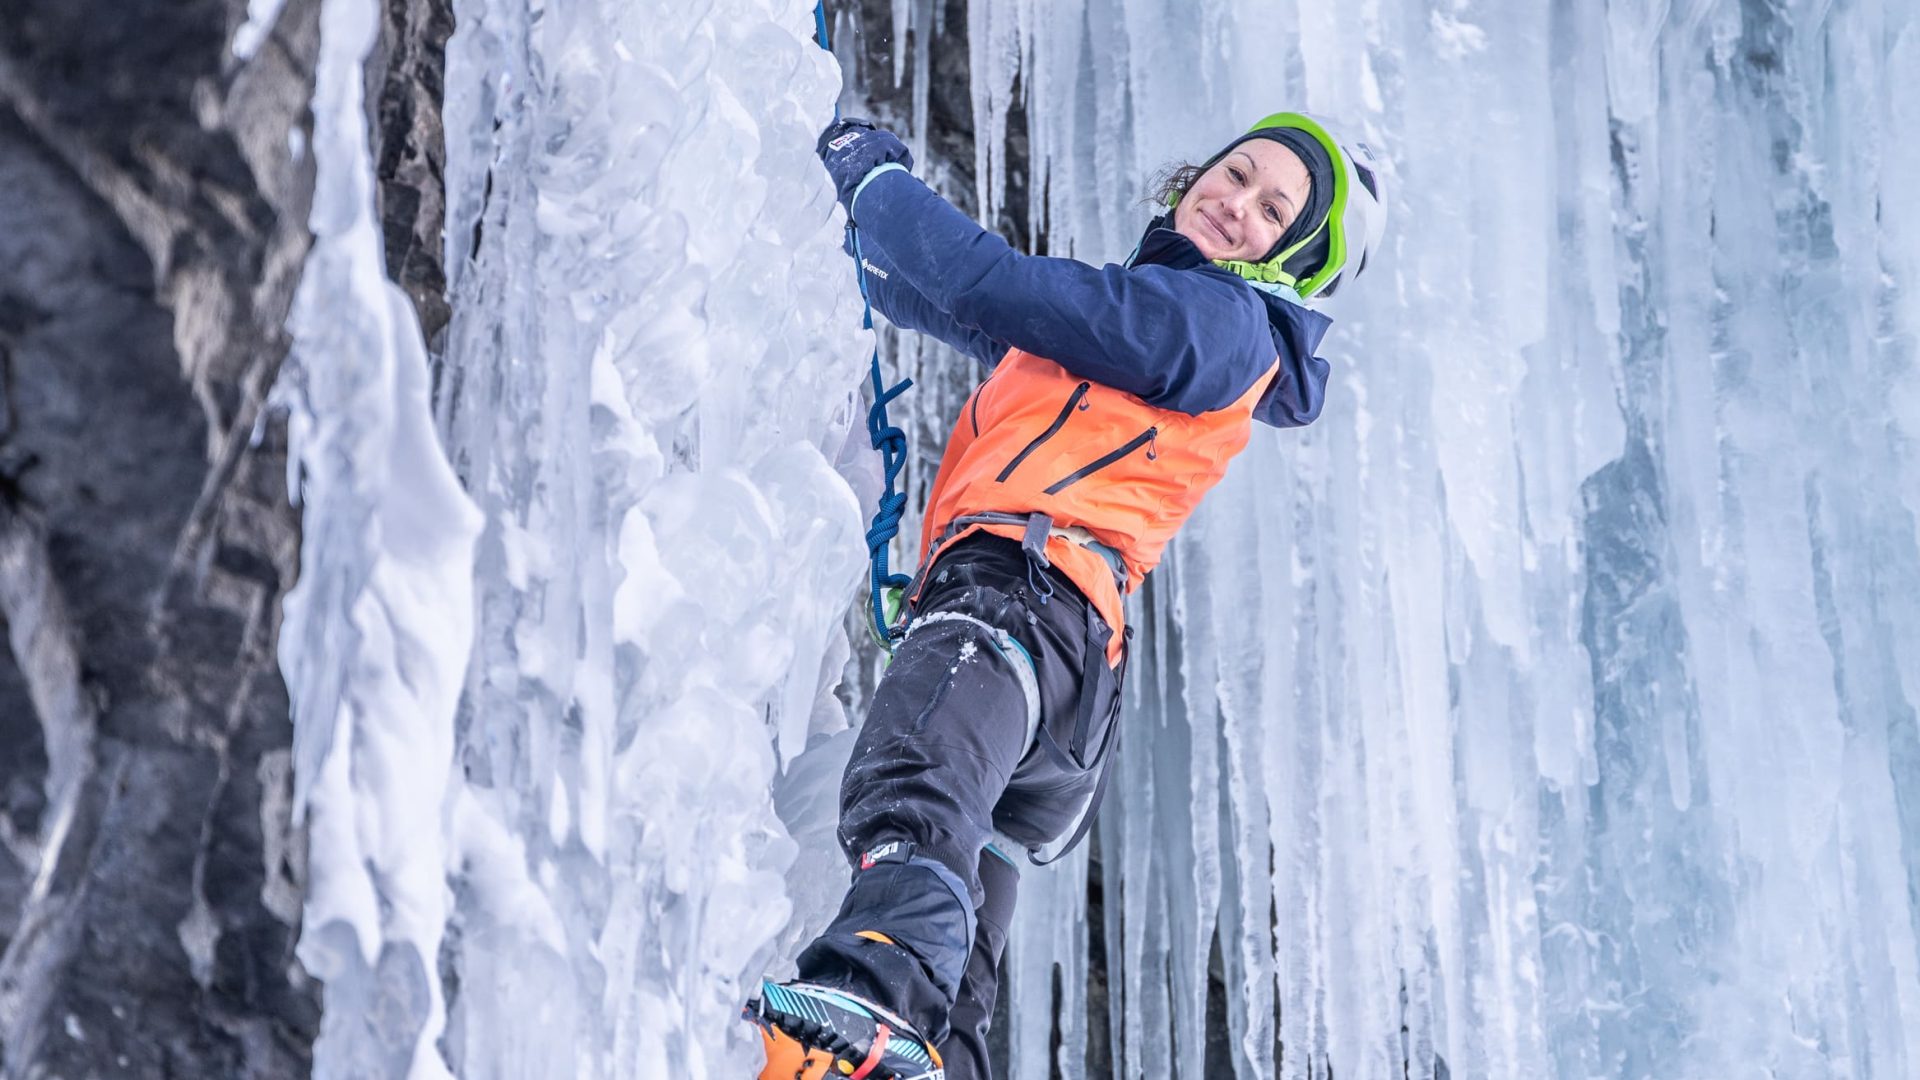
x: 973, y: 402
x: 1052, y: 430
x: 1145, y: 438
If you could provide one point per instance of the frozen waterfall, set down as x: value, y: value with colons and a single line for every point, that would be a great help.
x: 1545, y: 709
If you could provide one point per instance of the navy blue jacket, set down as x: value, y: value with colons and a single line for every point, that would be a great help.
x: 1170, y: 328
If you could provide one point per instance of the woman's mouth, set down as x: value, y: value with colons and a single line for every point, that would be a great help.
x: 1217, y: 230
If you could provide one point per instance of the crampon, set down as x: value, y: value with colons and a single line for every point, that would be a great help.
x: 820, y: 1033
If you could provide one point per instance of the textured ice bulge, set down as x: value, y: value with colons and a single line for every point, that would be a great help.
x: 649, y: 372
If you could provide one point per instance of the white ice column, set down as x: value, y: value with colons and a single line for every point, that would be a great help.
x: 374, y: 639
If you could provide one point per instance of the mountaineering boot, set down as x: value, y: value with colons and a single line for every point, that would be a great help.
x: 820, y: 1033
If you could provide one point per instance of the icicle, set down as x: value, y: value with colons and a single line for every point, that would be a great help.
x: 375, y: 637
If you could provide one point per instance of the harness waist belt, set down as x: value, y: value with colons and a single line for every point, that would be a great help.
x: 1036, y: 524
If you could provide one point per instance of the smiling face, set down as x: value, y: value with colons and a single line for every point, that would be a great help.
x: 1239, y: 209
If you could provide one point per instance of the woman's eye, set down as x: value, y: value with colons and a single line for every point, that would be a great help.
x: 1273, y: 215
x: 1238, y: 177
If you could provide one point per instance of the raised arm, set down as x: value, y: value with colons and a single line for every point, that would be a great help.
x: 1190, y: 341
x: 906, y: 307
x: 1182, y: 335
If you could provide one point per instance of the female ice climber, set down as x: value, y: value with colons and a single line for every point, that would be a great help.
x: 1115, y: 397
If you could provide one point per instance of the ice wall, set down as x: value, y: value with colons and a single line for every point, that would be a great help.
x: 651, y: 366
x: 1548, y: 707
x: 540, y: 721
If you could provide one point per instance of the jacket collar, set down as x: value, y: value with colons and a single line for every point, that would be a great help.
x: 1161, y: 246
x: 1297, y: 329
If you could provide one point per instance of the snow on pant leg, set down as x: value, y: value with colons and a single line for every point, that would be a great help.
x: 946, y: 728
x: 965, y: 1050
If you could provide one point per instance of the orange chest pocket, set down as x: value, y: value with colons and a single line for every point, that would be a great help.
x: 1060, y: 433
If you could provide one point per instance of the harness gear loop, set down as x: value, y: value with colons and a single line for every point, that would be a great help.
x: 1034, y: 543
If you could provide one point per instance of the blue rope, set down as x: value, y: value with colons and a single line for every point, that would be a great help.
x: 888, y: 438
x: 826, y: 42
x: 891, y: 441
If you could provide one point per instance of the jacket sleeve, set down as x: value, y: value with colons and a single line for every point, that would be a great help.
x: 906, y: 307
x: 1191, y: 342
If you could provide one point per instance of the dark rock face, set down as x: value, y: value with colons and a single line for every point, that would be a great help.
x: 406, y: 82
x: 154, y: 191
x: 151, y: 232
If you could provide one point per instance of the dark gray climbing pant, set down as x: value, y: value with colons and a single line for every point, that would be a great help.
x: 945, y: 759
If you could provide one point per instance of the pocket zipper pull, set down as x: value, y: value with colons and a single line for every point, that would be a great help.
x: 1153, y: 444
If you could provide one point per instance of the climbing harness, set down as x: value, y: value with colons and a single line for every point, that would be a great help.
x: 885, y: 590
x: 1035, y: 529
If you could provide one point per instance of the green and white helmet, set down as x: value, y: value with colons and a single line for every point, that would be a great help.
x: 1314, y: 263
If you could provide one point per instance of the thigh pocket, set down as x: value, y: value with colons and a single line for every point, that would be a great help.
x: 1081, y: 740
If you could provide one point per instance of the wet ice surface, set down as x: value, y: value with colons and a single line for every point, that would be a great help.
x: 1547, y: 707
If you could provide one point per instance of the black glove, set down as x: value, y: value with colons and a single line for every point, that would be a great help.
x: 852, y: 148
